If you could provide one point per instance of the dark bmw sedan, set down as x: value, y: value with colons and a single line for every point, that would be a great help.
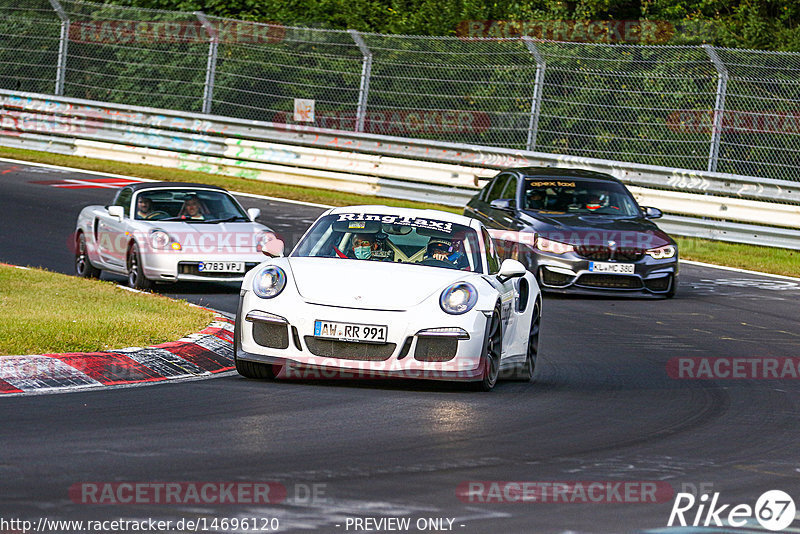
x: 578, y: 231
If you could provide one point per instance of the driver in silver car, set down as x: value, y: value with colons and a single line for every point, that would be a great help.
x: 144, y: 208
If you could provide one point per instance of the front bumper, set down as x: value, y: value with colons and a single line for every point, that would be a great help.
x: 283, y: 334
x: 179, y: 266
x: 570, y: 273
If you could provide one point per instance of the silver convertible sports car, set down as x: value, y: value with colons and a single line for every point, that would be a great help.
x: 169, y: 232
x: 390, y: 292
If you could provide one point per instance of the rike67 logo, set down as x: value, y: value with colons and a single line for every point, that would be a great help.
x: 774, y: 510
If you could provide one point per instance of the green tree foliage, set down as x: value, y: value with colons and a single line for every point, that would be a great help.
x: 652, y: 105
x: 757, y: 24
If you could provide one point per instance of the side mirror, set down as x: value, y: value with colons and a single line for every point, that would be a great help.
x: 511, y: 269
x: 116, y: 211
x: 272, y: 247
x: 505, y: 204
x: 253, y: 213
x: 652, y: 213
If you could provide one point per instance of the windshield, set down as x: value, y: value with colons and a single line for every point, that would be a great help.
x: 392, y: 238
x: 570, y: 195
x: 188, y: 205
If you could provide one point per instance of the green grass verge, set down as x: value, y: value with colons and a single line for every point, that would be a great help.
x: 766, y: 259
x: 43, y: 312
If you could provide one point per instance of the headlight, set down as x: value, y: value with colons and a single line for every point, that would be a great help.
x: 556, y: 247
x: 662, y: 253
x: 262, y: 239
x: 269, y: 282
x: 458, y: 298
x: 161, y: 240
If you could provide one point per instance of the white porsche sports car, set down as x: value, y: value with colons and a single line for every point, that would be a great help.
x: 170, y: 232
x: 390, y: 292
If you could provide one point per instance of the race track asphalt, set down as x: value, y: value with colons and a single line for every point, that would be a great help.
x: 603, y: 408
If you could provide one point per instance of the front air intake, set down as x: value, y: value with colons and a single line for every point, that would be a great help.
x: 270, y: 335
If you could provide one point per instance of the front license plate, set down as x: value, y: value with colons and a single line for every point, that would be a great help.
x: 221, y: 267
x: 362, y: 333
x: 616, y: 268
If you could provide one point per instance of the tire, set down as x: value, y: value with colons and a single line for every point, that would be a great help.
x: 525, y: 371
x: 136, y: 277
x: 256, y: 370
x: 492, y: 348
x: 250, y: 369
x: 83, y: 266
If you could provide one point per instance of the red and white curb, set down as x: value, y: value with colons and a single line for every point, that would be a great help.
x: 199, y: 355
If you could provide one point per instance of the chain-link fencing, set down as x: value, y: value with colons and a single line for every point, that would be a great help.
x: 691, y: 107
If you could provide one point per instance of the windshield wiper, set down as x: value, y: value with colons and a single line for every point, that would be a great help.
x: 229, y: 219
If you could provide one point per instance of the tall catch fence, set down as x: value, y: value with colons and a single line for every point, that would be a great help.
x: 689, y: 107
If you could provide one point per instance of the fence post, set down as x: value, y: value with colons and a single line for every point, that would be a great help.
x: 211, y: 65
x: 61, y: 68
x: 366, y: 71
x: 719, y: 106
x: 536, y: 101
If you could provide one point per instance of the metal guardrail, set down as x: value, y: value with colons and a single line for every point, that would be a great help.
x: 136, y: 122
x: 732, y: 232
x: 445, y: 173
x: 691, y: 106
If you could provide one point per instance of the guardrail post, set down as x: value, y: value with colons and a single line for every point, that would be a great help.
x: 61, y: 68
x: 366, y: 71
x: 211, y: 65
x: 719, y: 106
x: 536, y: 101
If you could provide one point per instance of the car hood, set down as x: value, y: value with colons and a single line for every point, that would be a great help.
x: 366, y: 284
x: 209, y: 237
x: 583, y: 229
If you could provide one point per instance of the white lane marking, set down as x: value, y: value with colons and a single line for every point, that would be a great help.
x: 70, y: 183
x: 113, y: 175
x: 73, y: 169
x: 771, y: 285
x: 132, y: 290
x: 314, y: 204
x: 281, y: 200
x: 737, y: 270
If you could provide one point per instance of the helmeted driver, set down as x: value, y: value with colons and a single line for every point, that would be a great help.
x: 595, y: 202
x: 447, y: 251
x: 536, y: 199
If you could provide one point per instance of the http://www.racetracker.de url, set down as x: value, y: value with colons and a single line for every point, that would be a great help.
x: 200, y: 524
